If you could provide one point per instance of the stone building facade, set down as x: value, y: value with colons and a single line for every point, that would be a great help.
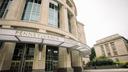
x: 114, y: 47
x: 41, y: 36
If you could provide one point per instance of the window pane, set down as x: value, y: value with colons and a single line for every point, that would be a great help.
x: 32, y: 10
x: 53, y: 15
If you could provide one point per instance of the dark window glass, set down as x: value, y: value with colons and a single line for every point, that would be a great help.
x: 51, y: 58
x: 69, y: 23
x: 23, y: 58
x: 1, y: 44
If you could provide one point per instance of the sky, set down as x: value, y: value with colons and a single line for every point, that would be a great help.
x: 102, y: 18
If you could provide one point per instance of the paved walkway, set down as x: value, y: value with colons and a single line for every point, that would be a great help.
x: 107, y: 70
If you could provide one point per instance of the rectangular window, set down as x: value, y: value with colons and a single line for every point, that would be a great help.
x: 113, y: 48
x: 107, y: 49
x: 51, y: 61
x: 4, y: 8
x: 69, y: 23
x: 53, y: 14
x: 102, y: 49
x: 32, y: 10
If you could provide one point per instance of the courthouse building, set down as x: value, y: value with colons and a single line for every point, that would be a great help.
x: 114, y: 47
x: 41, y: 36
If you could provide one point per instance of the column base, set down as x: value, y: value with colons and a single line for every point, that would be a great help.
x: 64, y: 70
x: 77, y: 69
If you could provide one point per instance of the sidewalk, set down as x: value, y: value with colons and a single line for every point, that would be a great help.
x: 107, y: 70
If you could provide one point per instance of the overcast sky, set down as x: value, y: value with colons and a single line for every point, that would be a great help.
x: 103, y: 18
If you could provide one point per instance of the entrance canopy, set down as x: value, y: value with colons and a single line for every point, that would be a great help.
x: 43, y: 38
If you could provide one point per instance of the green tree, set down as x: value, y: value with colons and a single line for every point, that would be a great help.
x: 92, y: 55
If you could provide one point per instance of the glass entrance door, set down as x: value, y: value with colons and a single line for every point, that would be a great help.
x: 51, y: 59
x: 23, y: 56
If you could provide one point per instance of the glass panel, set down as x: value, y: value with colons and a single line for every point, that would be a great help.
x: 51, y: 58
x: 32, y: 10
x: 53, y: 15
x: 23, y: 58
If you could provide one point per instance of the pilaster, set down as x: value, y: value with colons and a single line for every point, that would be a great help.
x: 39, y: 58
x: 63, y: 19
x: 74, y: 26
x: 15, y: 9
x: 44, y: 12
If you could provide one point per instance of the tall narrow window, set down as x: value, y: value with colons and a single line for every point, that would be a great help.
x: 23, y: 58
x: 4, y: 8
x: 69, y: 23
x: 102, y: 49
x: 53, y: 14
x: 107, y: 49
x: 32, y: 10
x: 51, y: 61
x: 113, y: 48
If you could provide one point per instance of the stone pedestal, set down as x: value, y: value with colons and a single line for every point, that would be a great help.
x: 6, y: 54
x: 64, y: 64
x: 76, y: 61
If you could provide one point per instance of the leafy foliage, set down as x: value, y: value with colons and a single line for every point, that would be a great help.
x: 92, y: 55
x: 100, y: 61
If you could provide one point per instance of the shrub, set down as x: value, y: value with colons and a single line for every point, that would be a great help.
x: 100, y: 61
x: 125, y: 65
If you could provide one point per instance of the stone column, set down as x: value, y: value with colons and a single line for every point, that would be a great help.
x: 15, y: 9
x: 44, y: 12
x: 76, y: 61
x: 64, y: 63
x: 63, y: 19
x: 6, y: 54
x: 74, y: 26
x: 39, y: 58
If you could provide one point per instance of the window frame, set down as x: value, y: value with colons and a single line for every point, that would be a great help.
x: 53, y: 14
x: 31, y: 14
